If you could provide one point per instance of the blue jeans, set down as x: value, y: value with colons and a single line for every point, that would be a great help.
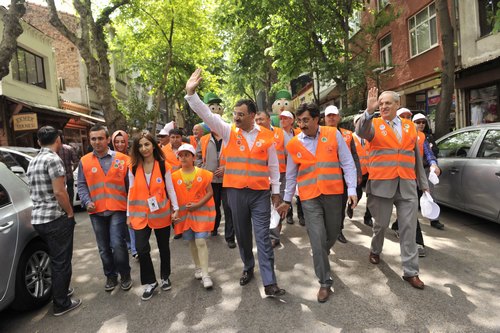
x: 110, y: 234
x: 58, y: 234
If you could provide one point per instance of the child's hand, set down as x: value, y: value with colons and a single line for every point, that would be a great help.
x: 191, y: 206
x: 175, y: 215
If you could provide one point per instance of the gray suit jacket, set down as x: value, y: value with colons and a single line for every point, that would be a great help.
x: 387, y: 188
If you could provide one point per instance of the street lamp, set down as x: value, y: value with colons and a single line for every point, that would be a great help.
x: 377, y: 72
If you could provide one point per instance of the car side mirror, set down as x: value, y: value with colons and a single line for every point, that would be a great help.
x: 461, y: 152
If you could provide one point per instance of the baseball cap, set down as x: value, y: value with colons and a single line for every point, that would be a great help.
x: 165, y: 130
x: 402, y: 110
x: 186, y: 147
x: 418, y: 116
x: 331, y: 109
x: 286, y: 114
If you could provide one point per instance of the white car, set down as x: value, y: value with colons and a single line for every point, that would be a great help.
x: 17, y: 160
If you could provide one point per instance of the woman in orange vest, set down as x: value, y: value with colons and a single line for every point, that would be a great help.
x: 150, y: 208
x: 197, y: 209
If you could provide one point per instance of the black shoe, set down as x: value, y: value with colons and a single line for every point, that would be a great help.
x: 71, y: 291
x: 74, y: 304
x: 341, y: 238
x: 166, y: 284
x: 231, y: 244
x: 111, y: 283
x: 395, y: 226
x: 246, y: 277
x: 275, y: 242
x: 302, y: 222
x: 149, y: 291
x: 177, y: 237
x: 126, y: 282
x: 273, y: 290
x: 368, y: 221
x: 289, y: 220
x: 437, y: 225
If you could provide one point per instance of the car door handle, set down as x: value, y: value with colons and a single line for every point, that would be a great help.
x: 6, y: 226
x: 454, y: 171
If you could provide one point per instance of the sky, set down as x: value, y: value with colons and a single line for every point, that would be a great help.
x: 62, y: 5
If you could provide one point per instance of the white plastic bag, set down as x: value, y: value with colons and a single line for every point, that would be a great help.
x: 433, y: 178
x: 275, y: 218
x: 428, y: 207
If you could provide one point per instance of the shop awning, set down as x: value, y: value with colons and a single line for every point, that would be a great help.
x: 51, y: 109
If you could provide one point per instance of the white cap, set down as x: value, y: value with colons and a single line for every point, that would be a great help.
x: 286, y: 114
x: 403, y: 110
x: 331, y: 109
x: 356, y: 118
x: 418, y: 116
x: 165, y: 130
x: 186, y: 147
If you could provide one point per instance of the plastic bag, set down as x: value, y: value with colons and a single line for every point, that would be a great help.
x: 275, y: 218
x: 433, y: 178
x: 428, y: 207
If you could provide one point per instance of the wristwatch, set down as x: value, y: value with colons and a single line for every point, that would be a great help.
x: 287, y: 202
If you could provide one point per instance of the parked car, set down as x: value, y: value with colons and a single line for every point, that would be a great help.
x: 17, y: 160
x: 25, y: 277
x: 469, y: 159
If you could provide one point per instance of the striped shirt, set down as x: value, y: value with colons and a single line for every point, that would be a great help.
x: 45, y: 167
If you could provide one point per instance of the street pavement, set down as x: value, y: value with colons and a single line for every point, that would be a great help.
x: 461, y: 273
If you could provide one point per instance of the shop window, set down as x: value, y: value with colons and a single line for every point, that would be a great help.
x: 28, y: 67
x: 483, y: 105
x: 487, y: 11
x: 386, y: 52
x: 423, y: 30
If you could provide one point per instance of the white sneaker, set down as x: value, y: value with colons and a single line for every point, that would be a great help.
x: 207, y: 282
x: 197, y: 273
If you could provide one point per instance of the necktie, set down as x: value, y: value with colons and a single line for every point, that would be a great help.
x: 393, y: 125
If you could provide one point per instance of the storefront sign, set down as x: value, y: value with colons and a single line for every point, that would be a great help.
x: 25, y: 122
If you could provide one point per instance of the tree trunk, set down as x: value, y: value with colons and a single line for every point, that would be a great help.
x: 448, y: 70
x: 11, y: 30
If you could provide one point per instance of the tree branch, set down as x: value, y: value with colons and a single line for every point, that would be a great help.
x: 104, y: 18
x: 12, y: 30
x: 56, y: 22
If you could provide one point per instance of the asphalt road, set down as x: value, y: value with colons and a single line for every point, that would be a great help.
x: 461, y: 273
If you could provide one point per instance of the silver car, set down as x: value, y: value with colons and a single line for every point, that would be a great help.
x: 469, y: 159
x: 25, y: 274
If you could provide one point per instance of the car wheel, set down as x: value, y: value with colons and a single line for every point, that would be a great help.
x: 33, y: 278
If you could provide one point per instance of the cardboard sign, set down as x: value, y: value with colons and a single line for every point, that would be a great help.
x: 25, y: 122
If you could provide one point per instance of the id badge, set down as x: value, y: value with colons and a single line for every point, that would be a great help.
x: 153, y: 204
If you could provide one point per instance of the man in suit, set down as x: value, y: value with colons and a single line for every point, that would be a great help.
x: 395, y: 163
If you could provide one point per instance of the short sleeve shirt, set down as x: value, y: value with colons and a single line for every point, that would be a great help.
x: 45, y: 167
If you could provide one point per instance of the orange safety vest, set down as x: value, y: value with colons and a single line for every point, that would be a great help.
x: 389, y: 158
x: 362, y: 154
x: 318, y: 174
x: 204, y: 144
x: 279, y: 143
x: 192, y: 141
x: 138, y: 209
x: 347, y: 135
x: 201, y: 219
x: 245, y: 167
x: 297, y: 131
x: 420, y: 143
x: 171, y: 157
x: 107, y: 191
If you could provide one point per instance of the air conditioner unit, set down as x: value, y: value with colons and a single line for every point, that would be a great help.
x: 62, y: 84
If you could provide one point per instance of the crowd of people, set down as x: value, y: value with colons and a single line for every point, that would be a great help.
x: 251, y: 168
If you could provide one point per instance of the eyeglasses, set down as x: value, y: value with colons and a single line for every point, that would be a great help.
x: 419, y: 122
x: 239, y: 114
x: 303, y: 120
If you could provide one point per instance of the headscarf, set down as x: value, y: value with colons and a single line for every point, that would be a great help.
x: 125, y: 136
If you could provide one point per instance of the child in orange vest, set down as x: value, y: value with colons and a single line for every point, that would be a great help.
x: 196, y: 209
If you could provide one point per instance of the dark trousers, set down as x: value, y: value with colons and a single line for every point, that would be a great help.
x: 70, y: 188
x: 58, y: 235
x: 228, y: 218
x: 217, y: 188
x: 300, y: 213
x: 143, y: 250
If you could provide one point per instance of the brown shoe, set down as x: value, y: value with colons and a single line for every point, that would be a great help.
x: 414, y: 281
x: 374, y: 258
x: 324, y: 293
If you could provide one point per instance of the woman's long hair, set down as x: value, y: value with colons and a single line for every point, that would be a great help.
x: 136, y: 157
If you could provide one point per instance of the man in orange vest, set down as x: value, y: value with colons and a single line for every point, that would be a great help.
x: 170, y: 149
x: 394, y: 163
x: 332, y: 119
x: 318, y: 161
x: 102, y: 187
x: 194, y: 139
x: 250, y: 161
x: 163, y: 138
x: 263, y: 118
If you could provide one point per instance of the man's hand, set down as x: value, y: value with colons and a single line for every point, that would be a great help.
x: 128, y: 222
x: 352, y: 201
x: 436, y: 169
x: 193, y: 82
x: 219, y: 172
x: 90, y: 207
x: 283, y: 209
x: 276, y: 199
x: 372, y: 100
